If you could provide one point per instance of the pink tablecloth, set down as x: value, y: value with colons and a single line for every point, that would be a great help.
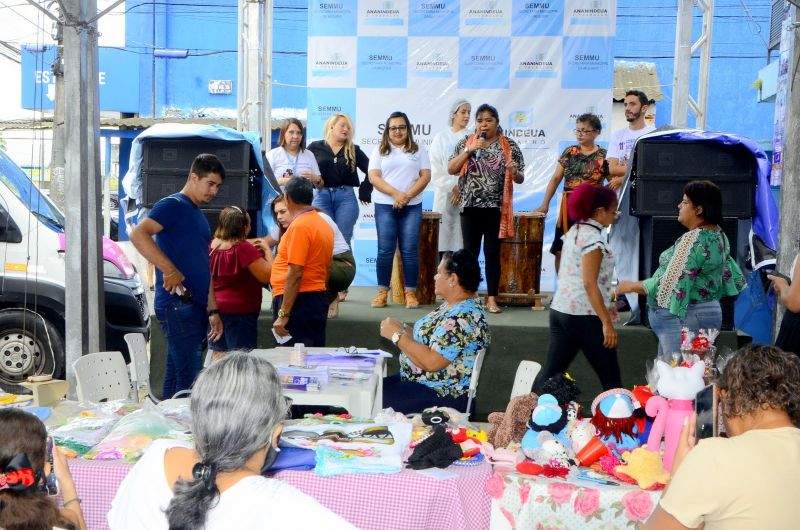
x: 403, y: 501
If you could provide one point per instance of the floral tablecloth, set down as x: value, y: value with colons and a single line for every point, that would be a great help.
x: 532, y: 502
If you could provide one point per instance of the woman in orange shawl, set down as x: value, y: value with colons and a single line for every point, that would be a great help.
x: 488, y: 165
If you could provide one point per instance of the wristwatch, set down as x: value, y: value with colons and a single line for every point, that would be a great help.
x: 283, y: 314
x: 397, y: 334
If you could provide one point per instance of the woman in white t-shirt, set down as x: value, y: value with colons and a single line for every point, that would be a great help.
x: 584, y: 308
x: 237, y: 409
x: 399, y: 169
x: 291, y: 158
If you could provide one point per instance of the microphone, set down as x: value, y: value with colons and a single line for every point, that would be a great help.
x: 478, y: 152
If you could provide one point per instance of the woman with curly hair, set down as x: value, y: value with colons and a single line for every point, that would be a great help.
x: 750, y: 479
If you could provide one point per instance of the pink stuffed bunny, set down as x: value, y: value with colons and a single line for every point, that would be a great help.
x: 677, y: 388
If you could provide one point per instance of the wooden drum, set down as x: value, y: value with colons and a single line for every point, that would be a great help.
x: 521, y: 261
x: 428, y: 256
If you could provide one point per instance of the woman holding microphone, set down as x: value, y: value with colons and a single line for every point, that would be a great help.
x: 488, y: 165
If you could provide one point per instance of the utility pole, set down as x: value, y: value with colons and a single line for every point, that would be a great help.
x: 57, y: 159
x: 682, y: 100
x: 85, y: 300
x: 790, y: 179
x: 254, y: 90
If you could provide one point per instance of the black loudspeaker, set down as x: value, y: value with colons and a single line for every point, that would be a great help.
x: 167, y: 161
x: 658, y: 234
x: 662, y: 169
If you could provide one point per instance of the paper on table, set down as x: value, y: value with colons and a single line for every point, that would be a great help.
x: 279, y: 339
x: 347, y: 362
x: 321, y: 373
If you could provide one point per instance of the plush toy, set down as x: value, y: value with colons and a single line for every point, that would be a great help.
x: 547, y: 415
x: 546, y: 449
x: 579, y: 434
x: 510, y: 426
x: 677, y: 388
x: 644, y: 467
x: 563, y: 388
x: 612, y: 415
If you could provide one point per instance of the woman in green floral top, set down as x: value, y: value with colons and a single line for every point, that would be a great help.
x: 693, y: 274
x: 437, y: 360
x: 584, y: 162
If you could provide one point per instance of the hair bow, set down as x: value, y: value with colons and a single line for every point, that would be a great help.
x: 18, y: 475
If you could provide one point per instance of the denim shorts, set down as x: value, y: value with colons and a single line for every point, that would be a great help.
x: 239, y: 332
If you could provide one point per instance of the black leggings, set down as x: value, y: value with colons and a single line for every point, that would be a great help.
x: 568, y: 334
x: 788, y: 338
x: 484, y: 223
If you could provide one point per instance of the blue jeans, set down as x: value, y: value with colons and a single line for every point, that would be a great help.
x: 239, y: 332
x: 185, y: 328
x: 667, y: 327
x: 395, y: 225
x: 341, y: 204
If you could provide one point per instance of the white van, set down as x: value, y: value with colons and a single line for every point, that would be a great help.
x: 32, y: 279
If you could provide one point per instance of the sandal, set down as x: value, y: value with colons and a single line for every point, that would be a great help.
x: 380, y: 300
x: 333, y: 309
x: 411, y: 300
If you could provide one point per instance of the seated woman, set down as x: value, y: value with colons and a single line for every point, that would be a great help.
x: 693, y: 274
x: 28, y: 472
x: 437, y: 358
x: 747, y: 480
x: 343, y: 266
x: 237, y: 409
x: 788, y: 338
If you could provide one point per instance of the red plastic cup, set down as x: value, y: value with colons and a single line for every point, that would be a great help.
x: 591, y: 452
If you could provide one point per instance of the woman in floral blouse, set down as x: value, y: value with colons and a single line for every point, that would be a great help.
x: 438, y: 357
x: 693, y: 274
x: 583, y: 309
x: 584, y: 162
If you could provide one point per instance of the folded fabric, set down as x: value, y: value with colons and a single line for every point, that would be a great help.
x: 437, y: 450
x: 331, y: 462
x: 293, y: 458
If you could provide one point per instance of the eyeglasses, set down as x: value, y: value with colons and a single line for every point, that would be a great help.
x: 581, y: 132
x: 394, y: 128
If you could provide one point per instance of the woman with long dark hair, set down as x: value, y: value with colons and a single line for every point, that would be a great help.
x: 25, y: 479
x: 488, y: 164
x: 237, y: 413
x: 399, y: 169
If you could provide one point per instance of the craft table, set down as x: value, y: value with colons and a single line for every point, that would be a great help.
x: 403, y: 501
x: 524, y: 501
x: 363, y: 399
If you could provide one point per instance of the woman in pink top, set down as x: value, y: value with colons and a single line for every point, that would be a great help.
x: 239, y: 270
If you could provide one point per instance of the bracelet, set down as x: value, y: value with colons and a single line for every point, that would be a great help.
x: 212, y: 312
x: 73, y: 499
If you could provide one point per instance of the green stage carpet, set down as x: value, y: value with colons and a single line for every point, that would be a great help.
x: 517, y: 334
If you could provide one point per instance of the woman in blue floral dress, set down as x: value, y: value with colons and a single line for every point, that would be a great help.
x: 693, y: 274
x: 438, y: 356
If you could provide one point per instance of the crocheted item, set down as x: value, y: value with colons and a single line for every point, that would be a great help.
x: 676, y: 267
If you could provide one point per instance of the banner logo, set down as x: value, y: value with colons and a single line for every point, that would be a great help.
x: 538, y: 65
x: 521, y: 129
x: 596, y: 13
x: 384, y: 14
x: 334, y: 65
x: 487, y: 13
x: 435, y: 64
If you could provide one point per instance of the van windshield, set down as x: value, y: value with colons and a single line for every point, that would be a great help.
x: 26, y: 191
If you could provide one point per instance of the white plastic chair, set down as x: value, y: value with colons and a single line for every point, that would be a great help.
x: 473, y: 380
x: 140, y: 364
x: 524, y: 378
x: 102, y: 376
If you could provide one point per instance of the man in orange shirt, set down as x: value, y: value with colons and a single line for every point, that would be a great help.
x: 300, y: 270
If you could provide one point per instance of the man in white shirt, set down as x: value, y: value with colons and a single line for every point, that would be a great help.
x: 624, y: 234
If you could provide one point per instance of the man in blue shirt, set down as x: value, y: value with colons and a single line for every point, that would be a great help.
x: 184, y: 304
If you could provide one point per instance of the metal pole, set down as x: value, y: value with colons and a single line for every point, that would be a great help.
x: 57, y: 159
x: 250, y: 48
x: 707, y: 7
x: 85, y: 304
x: 266, y: 72
x: 682, y: 64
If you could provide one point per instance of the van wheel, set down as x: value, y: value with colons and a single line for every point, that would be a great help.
x: 29, y: 345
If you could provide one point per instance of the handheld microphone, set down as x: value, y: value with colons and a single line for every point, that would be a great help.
x: 479, y: 151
